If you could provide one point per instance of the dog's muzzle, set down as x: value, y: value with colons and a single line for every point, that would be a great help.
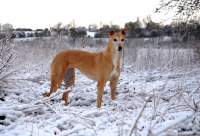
x: 119, y: 48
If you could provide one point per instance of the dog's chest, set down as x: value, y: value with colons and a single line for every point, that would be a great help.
x: 115, y: 63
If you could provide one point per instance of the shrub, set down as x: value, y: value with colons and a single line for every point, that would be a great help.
x: 7, y: 57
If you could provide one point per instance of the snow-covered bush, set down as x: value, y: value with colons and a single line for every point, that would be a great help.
x: 7, y: 82
x: 7, y: 57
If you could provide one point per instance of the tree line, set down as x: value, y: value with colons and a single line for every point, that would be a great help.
x: 139, y: 29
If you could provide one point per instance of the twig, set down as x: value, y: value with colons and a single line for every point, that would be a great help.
x: 139, y: 115
x: 76, y: 131
x: 122, y: 127
x: 58, y: 93
x: 16, y: 124
x: 120, y: 119
x: 192, y: 115
x: 188, y: 103
x: 163, y: 113
x: 91, y: 122
x: 41, y: 98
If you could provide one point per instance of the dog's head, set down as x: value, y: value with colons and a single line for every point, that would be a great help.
x: 118, y: 38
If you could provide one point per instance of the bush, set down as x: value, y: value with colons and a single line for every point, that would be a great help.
x: 7, y: 56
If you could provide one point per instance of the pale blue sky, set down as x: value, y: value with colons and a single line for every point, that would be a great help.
x: 44, y: 13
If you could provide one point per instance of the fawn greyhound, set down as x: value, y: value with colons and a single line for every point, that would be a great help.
x: 102, y: 66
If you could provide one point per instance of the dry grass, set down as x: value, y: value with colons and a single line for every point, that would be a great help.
x: 141, y: 55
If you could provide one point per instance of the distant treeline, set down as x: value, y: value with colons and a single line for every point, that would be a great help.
x: 147, y: 29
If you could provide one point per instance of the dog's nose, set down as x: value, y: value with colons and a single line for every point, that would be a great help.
x: 119, y: 48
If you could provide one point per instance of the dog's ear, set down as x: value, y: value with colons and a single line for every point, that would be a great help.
x: 123, y: 31
x: 110, y: 32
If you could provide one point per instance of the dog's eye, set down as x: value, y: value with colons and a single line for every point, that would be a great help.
x: 115, y: 40
x: 122, y: 40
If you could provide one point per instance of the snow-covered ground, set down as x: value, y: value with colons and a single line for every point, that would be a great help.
x: 149, y: 102
x: 173, y: 97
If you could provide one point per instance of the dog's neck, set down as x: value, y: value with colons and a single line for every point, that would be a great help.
x: 112, y: 53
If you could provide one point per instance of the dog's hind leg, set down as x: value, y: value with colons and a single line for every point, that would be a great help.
x: 69, y: 79
x: 55, y: 83
x: 57, y: 73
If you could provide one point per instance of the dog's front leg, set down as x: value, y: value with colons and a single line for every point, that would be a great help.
x: 100, y: 89
x: 113, y: 87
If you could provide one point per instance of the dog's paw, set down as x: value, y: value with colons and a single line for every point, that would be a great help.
x: 46, y: 95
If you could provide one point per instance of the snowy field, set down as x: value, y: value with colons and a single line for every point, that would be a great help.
x: 157, y: 94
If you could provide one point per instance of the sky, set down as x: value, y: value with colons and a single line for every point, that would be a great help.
x: 46, y: 13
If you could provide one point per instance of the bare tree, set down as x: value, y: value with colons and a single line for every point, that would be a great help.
x: 102, y: 32
x: 72, y: 30
x: 67, y: 27
x: 73, y: 24
x: 184, y: 9
x: 100, y: 24
x: 7, y: 27
x: 58, y: 27
x: 92, y: 27
x: 116, y: 28
x: 135, y: 28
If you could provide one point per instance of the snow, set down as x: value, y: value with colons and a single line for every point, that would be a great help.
x: 167, y: 39
x: 172, y: 107
x: 26, y: 114
x: 90, y: 34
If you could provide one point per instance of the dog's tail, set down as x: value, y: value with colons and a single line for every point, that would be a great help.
x: 57, y: 70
